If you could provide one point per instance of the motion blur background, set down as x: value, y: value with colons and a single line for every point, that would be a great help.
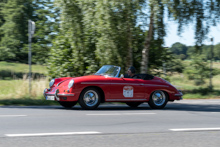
x: 77, y: 37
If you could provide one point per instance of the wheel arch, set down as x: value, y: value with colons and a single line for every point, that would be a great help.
x: 100, y: 91
x: 167, y: 94
x: 162, y: 101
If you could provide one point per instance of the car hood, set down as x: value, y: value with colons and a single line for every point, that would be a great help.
x: 89, y: 78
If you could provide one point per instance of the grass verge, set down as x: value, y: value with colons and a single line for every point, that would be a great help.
x: 201, y: 93
x: 26, y: 102
x: 19, y: 67
x: 15, y: 89
x: 191, y: 91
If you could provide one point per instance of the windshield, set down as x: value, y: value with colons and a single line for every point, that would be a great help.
x: 110, y: 70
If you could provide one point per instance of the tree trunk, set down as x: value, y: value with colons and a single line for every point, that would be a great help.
x: 145, y: 51
x: 129, y: 57
x: 130, y: 50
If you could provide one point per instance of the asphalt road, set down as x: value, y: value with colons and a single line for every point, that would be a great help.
x: 183, y: 123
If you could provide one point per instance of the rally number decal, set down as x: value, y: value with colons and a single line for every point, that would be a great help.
x: 128, y: 91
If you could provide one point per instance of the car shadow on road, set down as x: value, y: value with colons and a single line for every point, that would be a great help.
x: 170, y: 107
x: 193, y: 107
x: 123, y: 107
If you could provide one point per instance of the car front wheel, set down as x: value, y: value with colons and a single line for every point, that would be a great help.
x: 89, y: 99
x: 158, y: 100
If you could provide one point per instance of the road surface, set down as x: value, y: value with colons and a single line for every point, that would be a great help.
x: 183, y: 123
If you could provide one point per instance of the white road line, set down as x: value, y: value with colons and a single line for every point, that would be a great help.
x: 12, y: 115
x: 195, y: 129
x: 106, y: 114
x: 137, y: 113
x: 52, y: 134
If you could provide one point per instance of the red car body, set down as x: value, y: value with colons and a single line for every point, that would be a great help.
x: 111, y: 89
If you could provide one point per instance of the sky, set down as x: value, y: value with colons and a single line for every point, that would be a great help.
x: 187, y: 36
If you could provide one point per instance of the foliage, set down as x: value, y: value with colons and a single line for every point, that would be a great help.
x: 217, y: 51
x: 201, y: 13
x: 198, y: 71
x: 14, y: 16
x: 159, y: 55
x: 2, y: 20
x: 14, y: 29
x: 183, y: 52
x: 46, y: 16
x: 205, y: 51
x: 164, y: 64
x: 94, y: 33
x: 82, y: 35
x: 175, y: 65
x: 180, y: 50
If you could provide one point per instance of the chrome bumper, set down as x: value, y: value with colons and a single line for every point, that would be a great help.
x: 56, y: 94
x: 180, y: 94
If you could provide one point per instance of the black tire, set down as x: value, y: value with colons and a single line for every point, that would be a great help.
x: 158, y: 100
x: 67, y: 105
x: 133, y: 104
x: 90, y: 98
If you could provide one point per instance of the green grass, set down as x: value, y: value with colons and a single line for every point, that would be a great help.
x: 24, y: 68
x: 216, y: 65
x: 14, y: 84
x: 12, y: 89
x: 16, y: 92
x: 191, y: 91
x: 10, y: 71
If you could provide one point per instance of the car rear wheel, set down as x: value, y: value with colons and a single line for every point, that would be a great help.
x: 158, y: 100
x: 89, y: 99
x: 67, y: 105
x: 133, y: 104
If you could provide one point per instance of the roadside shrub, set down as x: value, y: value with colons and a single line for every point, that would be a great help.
x: 198, y: 70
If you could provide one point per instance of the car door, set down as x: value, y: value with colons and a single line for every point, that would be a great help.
x: 127, y: 89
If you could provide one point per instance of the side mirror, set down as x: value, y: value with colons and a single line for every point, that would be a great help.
x: 122, y: 76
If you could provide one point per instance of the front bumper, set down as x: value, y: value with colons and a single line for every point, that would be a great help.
x: 180, y: 94
x: 57, y: 96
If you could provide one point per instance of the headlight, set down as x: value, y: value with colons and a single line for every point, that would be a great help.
x: 71, y: 84
x: 52, y: 82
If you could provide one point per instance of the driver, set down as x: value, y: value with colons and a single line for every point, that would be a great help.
x: 131, y: 73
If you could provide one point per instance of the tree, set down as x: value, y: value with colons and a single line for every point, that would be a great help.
x: 2, y: 20
x: 16, y: 14
x: 95, y: 33
x: 145, y: 51
x: 217, y: 51
x: 73, y: 50
x: 201, y: 13
x: 179, y: 49
x: 198, y: 70
x: 122, y: 18
x: 46, y: 16
x: 14, y: 29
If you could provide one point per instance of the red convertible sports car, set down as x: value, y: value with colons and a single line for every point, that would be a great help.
x: 106, y: 86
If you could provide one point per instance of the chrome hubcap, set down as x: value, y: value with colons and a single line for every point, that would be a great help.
x: 159, y: 98
x: 90, y: 98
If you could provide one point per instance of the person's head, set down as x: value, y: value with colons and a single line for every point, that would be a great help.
x: 131, y: 71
